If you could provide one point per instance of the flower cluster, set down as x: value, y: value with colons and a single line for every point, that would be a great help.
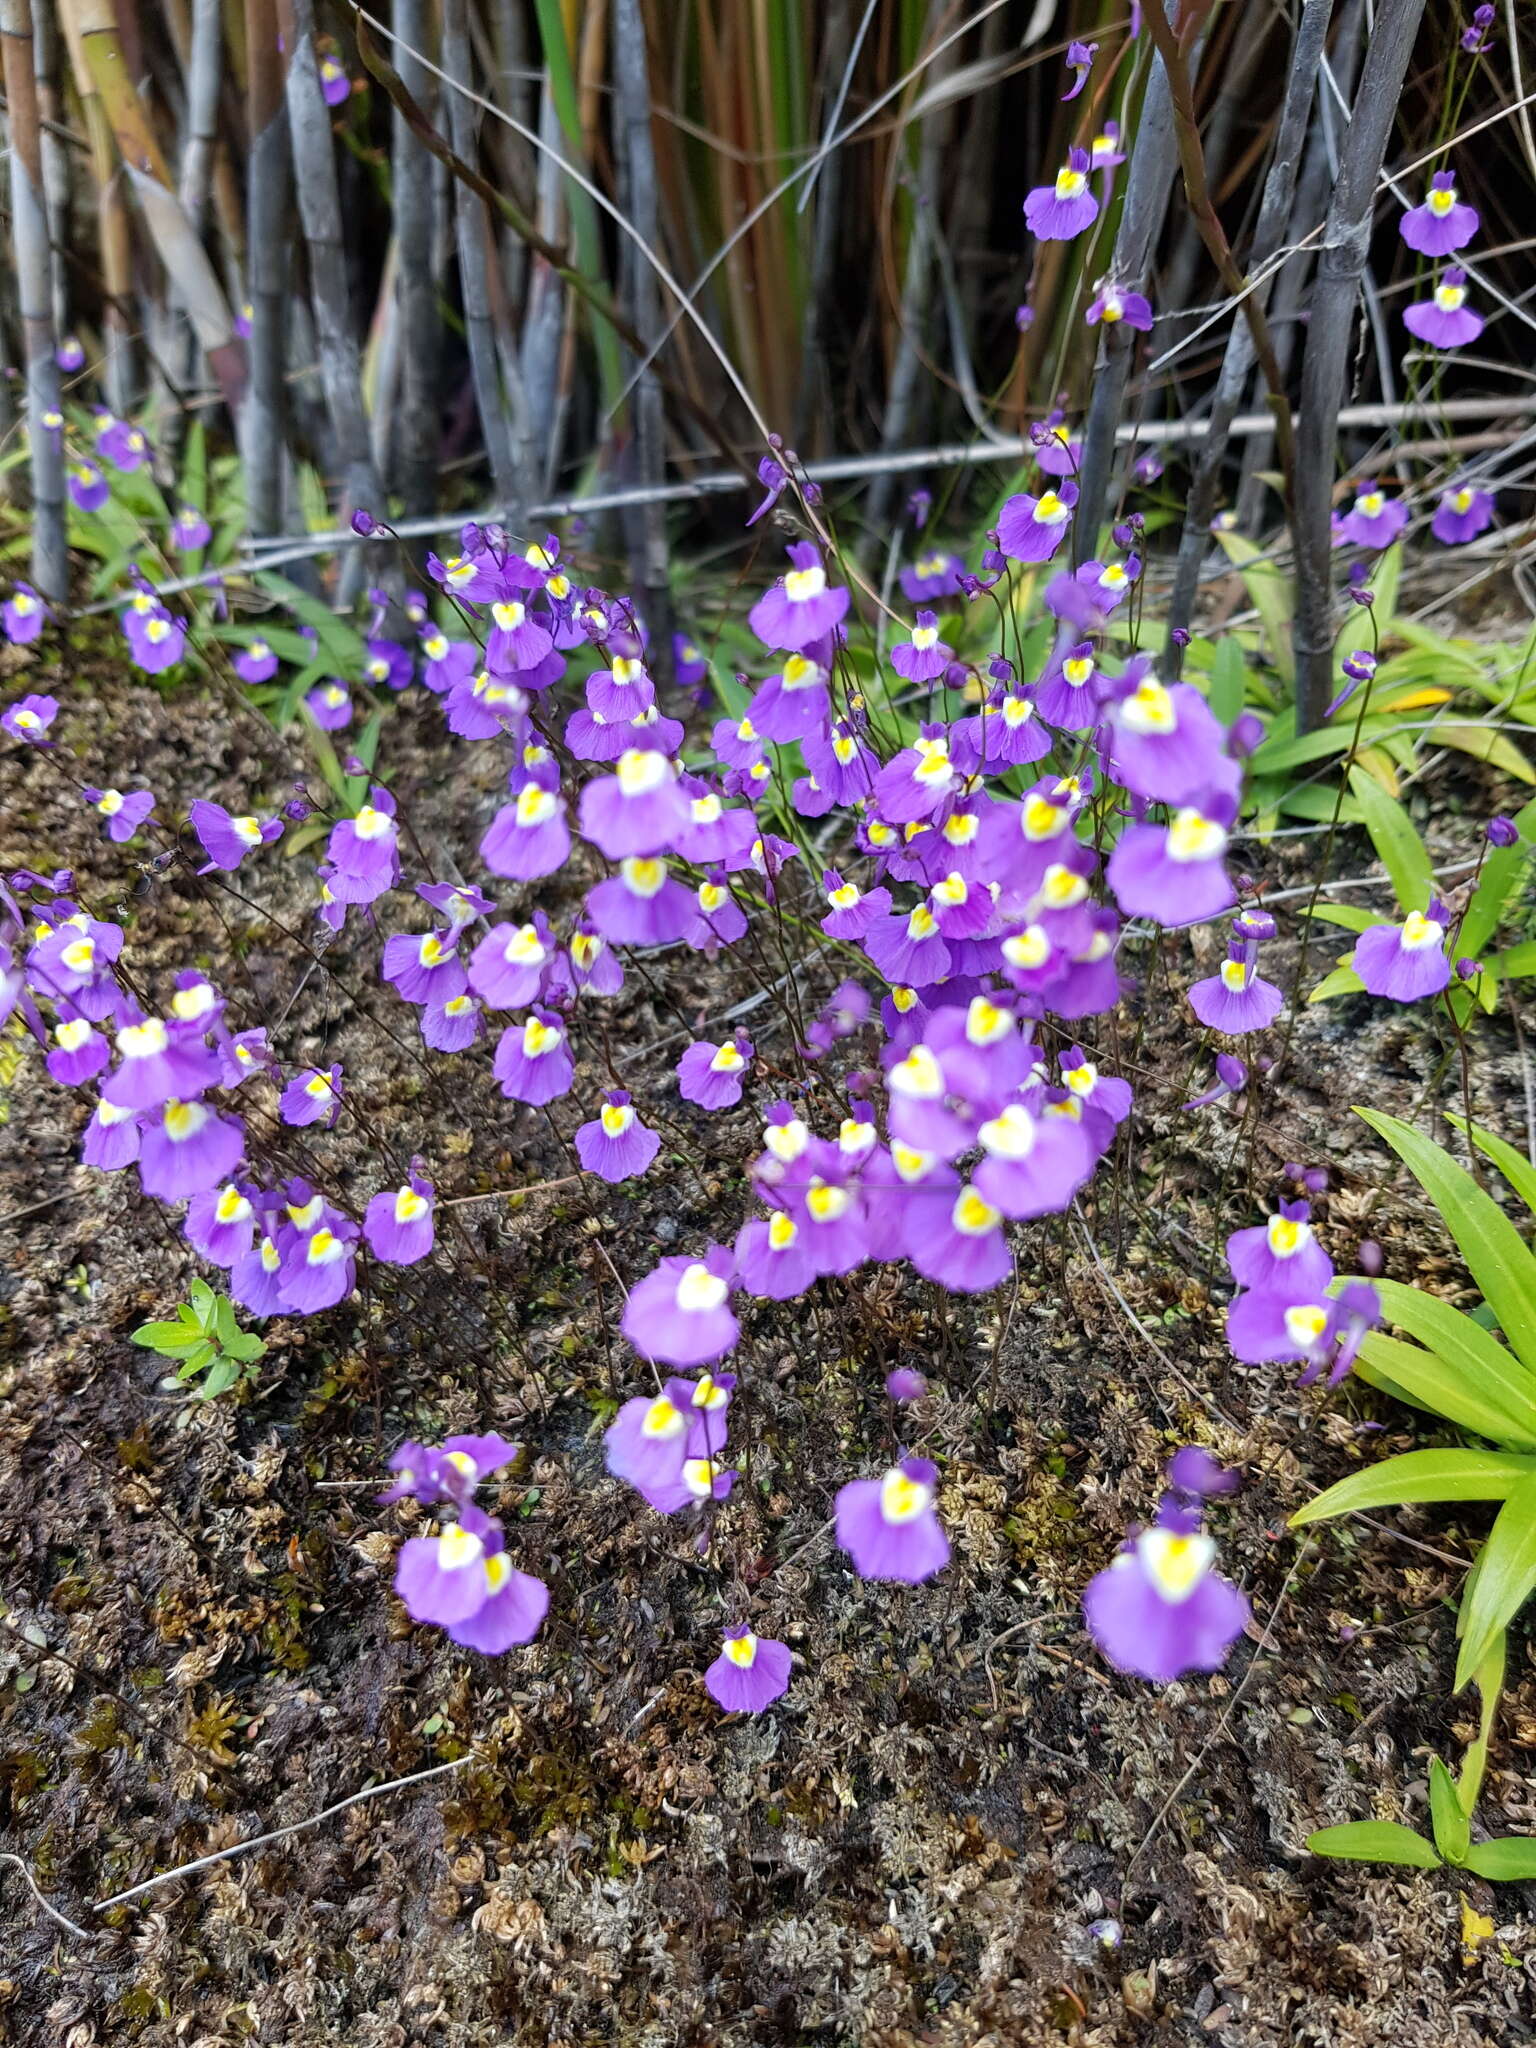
x: 462, y: 1579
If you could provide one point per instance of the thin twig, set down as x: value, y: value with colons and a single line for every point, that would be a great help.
x: 85, y: 1933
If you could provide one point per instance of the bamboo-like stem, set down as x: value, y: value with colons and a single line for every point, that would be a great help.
x: 1341, y: 263
x: 96, y: 42
x: 1148, y: 186
x: 416, y: 425
x: 1170, y: 48
x: 314, y: 163
x: 475, y: 246
x: 56, y: 158
x: 269, y: 186
x: 645, y: 526
x: 1237, y: 363
x: 203, y: 59
x: 113, y: 236
x: 34, y: 285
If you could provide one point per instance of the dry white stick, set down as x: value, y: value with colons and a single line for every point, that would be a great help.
x: 53, y: 1912
x: 278, y: 1834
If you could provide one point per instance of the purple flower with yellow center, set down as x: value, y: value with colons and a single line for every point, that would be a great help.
x: 1374, y: 520
x: 1165, y: 743
x: 792, y: 705
x: 482, y: 707
x: 637, y: 810
x: 1080, y: 58
x: 594, y: 968
x: 801, y: 607
x: 69, y: 355
x: 908, y: 947
x: 533, y: 1060
x: 186, y: 1147
x: 1114, y: 305
x: 1059, y: 212
x: 841, y: 763
x: 774, y: 1261
x: 919, y: 780
x: 750, y: 1673
x: 1087, y: 598
x: 227, y: 838
x: 1068, y: 694
x: 1032, y: 529
x: 28, y: 718
x: 311, y: 1096
x: 25, y: 615
x: 156, y: 642
x: 925, y: 656
x: 1462, y: 514
x: 1160, y: 1610
x: 329, y: 706
x: 508, y: 966
x: 641, y: 905
x: 79, y: 1051
x: 1236, y: 999
x: 1405, y: 962
x: 121, y: 444
x: 615, y: 1144
x: 711, y: 1075
x: 124, y: 811
x: 1174, y: 873
x: 680, y: 1314
x: 890, y: 1527
x: 462, y: 1580
x: 318, y: 1259
x: 446, y: 663
x: 1444, y: 319
x: 690, y: 665
x: 452, y: 1473
x: 1032, y: 1164
x: 528, y: 838
x: 398, y: 1222
x: 190, y: 531
x: 1104, y: 151
x: 387, y: 665
x: 853, y: 911
x: 961, y: 1240
x: 647, y: 1441
x: 87, y: 485
x: 1441, y: 224
x: 364, y: 851
x: 111, y: 1138
x: 334, y: 82
x: 459, y: 902
x: 933, y: 575
x: 517, y: 641
x: 256, y: 663
x: 721, y: 921
x: 221, y: 1222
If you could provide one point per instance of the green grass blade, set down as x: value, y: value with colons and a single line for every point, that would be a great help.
x: 1419, y: 1476
x: 1506, y: 1578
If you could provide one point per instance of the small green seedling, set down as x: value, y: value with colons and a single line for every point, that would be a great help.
x: 206, y: 1339
x: 1504, y: 1860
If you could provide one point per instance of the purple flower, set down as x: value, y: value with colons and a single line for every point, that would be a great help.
x: 905, y: 1385
x: 329, y: 706
x: 772, y: 476
x: 1374, y: 520
x: 256, y: 663
x: 1404, y: 962
x: 121, y: 444
x: 1444, y: 320
x: 506, y: 969
x: 28, y: 718
x: 311, y: 1096
x: 69, y: 355
x: 890, y: 1527
x: 750, y: 1673
x: 156, y: 640
x: 1173, y: 873
x: 318, y: 1259
x: 1104, y: 152
x: 398, y: 1222
x: 800, y: 608
x: 25, y: 615
x: 615, y: 1145
x: 924, y: 657
x: 533, y: 1059
x: 334, y: 82
x: 1113, y: 304
x: 1441, y: 225
x: 1501, y: 831
x: 1080, y: 58
x: 111, y: 1139
x: 681, y: 1313
x: 1164, y: 741
x: 463, y: 1581
x: 124, y: 813
x: 226, y: 839
x: 639, y: 809
x: 190, y: 531
x: 1194, y: 1472
x: 774, y: 1258
x: 186, y: 1147
x: 1282, y: 1255
x: 1462, y: 514
x: 528, y: 838
x: 87, y: 486
x: 932, y: 576
x: 80, y: 1051
x: 1056, y: 213
x: 364, y: 851
x: 1032, y: 529
x: 1475, y: 39
x: 388, y: 665
x: 641, y: 905
x: 1160, y: 1611
x: 711, y: 1075
x: 1236, y: 998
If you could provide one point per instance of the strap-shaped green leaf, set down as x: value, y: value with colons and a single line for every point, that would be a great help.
x: 1375, y: 1841
x: 1506, y: 1860
x: 1502, y: 868
x: 1514, y: 1166
x: 1421, y: 1476
x: 1497, y: 1257
x: 1449, y: 1390
x: 1398, y: 847
x: 1464, y: 1343
x: 1506, y: 1578
x: 1452, y: 1834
